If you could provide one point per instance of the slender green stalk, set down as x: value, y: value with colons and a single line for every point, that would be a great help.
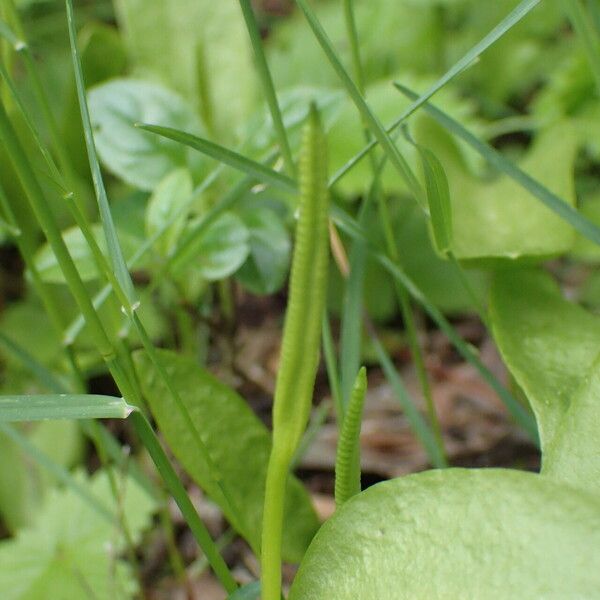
x: 347, y: 461
x: 331, y: 366
x: 176, y: 489
x: 300, y: 345
x: 112, y: 240
x: 267, y: 83
x: 583, y: 24
x: 370, y: 118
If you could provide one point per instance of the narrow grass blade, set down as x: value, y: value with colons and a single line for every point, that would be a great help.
x: 583, y: 24
x: 331, y: 366
x: 267, y: 83
x: 414, y: 417
x: 456, y: 69
x: 7, y: 33
x: 497, y: 160
x: 62, y: 406
x: 370, y: 118
x: 110, y: 232
x: 224, y: 155
x: 519, y: 413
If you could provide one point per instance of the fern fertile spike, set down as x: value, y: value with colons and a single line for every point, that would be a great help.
x: 347, y: 462
x: 302, y: 330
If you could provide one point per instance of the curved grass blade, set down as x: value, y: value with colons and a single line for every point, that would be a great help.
x: 367, y: 114
x: 456, y: 69
x: 41, y: 407
x: 224, y: 155
x: 521, y: 416
x: 110, y: 232
x: 267, y: 83
x: 497, y: 160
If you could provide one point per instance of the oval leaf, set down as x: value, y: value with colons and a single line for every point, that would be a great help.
x: 220, y: 249
x: 548, y: 343
x: 457, y: 534
x: 266, y: 267
x: 238, y: 442
x: 167, y: 200
x: 137, y: 157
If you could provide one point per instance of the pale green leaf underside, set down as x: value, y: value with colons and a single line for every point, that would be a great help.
x: 72, y: 551
x: 62, y: 406
x: 548, y: 343
x: 239, y: 444
x: 485, y: 534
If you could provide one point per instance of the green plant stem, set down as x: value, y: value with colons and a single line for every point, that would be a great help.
x: 331, y: 366
x: 411, y: 329
x: 50, y: 228
x: 267, y: 84
x: 277, y: 475
x: 176, y: 489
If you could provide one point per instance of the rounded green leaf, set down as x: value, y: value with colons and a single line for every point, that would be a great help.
x: 136, y: 156
x: 238, y: 443
x: 266, y: 267
x: 457, y: 534
x: 221, y: 249
x: 548, y: 343
x: 166, y: 201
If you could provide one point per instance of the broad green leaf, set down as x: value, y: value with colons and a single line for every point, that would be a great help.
x: 41, y: 407
x: 500, y: 219
x: 237, y: 441
x: 199, y: 48
x: 560, y: 206
x: 17, y: 500
x: 72, y: 551
x: 572, y: 454
x: 220, y: 249
x: 548, y: 343
x: 137, y: 157
x: 584, y: 249
x: 48, y: 266
x: 167, y: 200
x: 266, y: 267
x: 457, y: 533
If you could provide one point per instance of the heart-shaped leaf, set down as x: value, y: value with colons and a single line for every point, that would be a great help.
x: 238, y: 443
x: 457, y: 534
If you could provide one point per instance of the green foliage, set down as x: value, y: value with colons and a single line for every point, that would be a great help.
x: 199, y: 48
x: 457, y: 534
x: 548, y: 343
x: 237, y: 442
x: 72, y: 551
x: 266, y: 267
x: 135, y: 156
